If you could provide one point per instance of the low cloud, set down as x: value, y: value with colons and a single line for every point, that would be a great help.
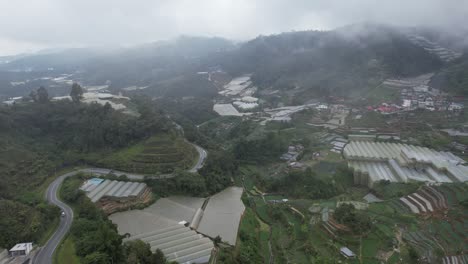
x: 33, y: 24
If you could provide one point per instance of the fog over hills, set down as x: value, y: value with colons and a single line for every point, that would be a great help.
x: 233, y: 131
x: 344, y: 61
x: 30, y: 25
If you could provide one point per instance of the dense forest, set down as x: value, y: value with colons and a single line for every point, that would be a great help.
x: 260, y: 150
x: 215, y: 176
x: 39, y: 138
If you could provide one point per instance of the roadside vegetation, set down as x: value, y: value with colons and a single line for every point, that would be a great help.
x: 216, y: 174
x: 94, y: 238
x: 41, y: 138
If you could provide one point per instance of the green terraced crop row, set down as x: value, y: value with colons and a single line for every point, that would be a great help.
x: 159, y: 154
x: 159, y: 158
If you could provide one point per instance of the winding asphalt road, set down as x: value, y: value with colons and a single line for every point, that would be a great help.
x: 201, y: 158
x: 45, y: 255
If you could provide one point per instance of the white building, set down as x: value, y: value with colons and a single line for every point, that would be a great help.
x: 455, y: 107
x: 421, y: 88
x: 249, y: 99
x: 13, y: 100
x: 407, y: 103
x: 347, y: 253
x: 322, y: 107
x: 21, y: 249
x: 429, y: 102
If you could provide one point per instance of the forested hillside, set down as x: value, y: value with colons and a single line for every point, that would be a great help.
x: 344, y: 61
x: 330, y: 62
x: 454, y: 77
x: 39, y: 139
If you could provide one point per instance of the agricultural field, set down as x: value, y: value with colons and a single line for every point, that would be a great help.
x: 443, y: 229
x: 162, y: 153
x: 368, y: 119
x: 297, y: 235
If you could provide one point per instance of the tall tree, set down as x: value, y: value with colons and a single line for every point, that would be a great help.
x: 42, y: 95
x: 76, y: 92
x: 33, y: 95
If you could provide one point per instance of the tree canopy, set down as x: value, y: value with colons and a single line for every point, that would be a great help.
x: 76, y: 92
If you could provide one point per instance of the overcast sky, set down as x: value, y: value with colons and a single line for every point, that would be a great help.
x: 29, y: 25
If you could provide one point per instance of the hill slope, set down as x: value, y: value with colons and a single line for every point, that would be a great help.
x: 454, y: 77
x: 345, y: 61
x: 331, y: 62
x: 158, y: 154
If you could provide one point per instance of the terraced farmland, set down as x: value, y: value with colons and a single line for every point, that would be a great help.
x: 449, y: 236
x: 432, y: 199
x: 446, y: 229
x: 161, y: 153
x: 461, y: 259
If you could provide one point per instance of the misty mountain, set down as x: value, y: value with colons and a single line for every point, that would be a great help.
x: 334, y: 62
x: 455, y: 40
x: 345, y: 61
x: 85, y: 58
x: 164, y: 63
x: 454, y: 77
x: 64, y: 60
x: 151, y: 63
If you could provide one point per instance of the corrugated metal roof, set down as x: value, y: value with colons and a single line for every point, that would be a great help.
x: 401, y: 162
x: 114, y: 189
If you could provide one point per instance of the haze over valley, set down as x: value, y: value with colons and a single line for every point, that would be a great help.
x: 233, y: 132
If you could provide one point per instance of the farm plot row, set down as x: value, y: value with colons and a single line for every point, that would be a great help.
x: 454, y: 192
x: 159, y: 158
x: 159, y: 143
x: 429, y: 199
x: 449, y: 236
x: 150, y: 168
x: 159, y: 154
x: 333, y: 228
x: 461, y: 259
x: 158, y: 150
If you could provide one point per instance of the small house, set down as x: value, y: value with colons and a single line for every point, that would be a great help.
x: 21, y: 249
x: 347, y: 253
x: 407, y: 103
x: 455, y: 107
x: 429, y: 102
x: 322, y: 107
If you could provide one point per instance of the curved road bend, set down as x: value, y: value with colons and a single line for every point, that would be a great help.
x: 202, y: 154
x: 46, y: 253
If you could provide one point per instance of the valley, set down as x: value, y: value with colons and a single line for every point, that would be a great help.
x: 334, y: 146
